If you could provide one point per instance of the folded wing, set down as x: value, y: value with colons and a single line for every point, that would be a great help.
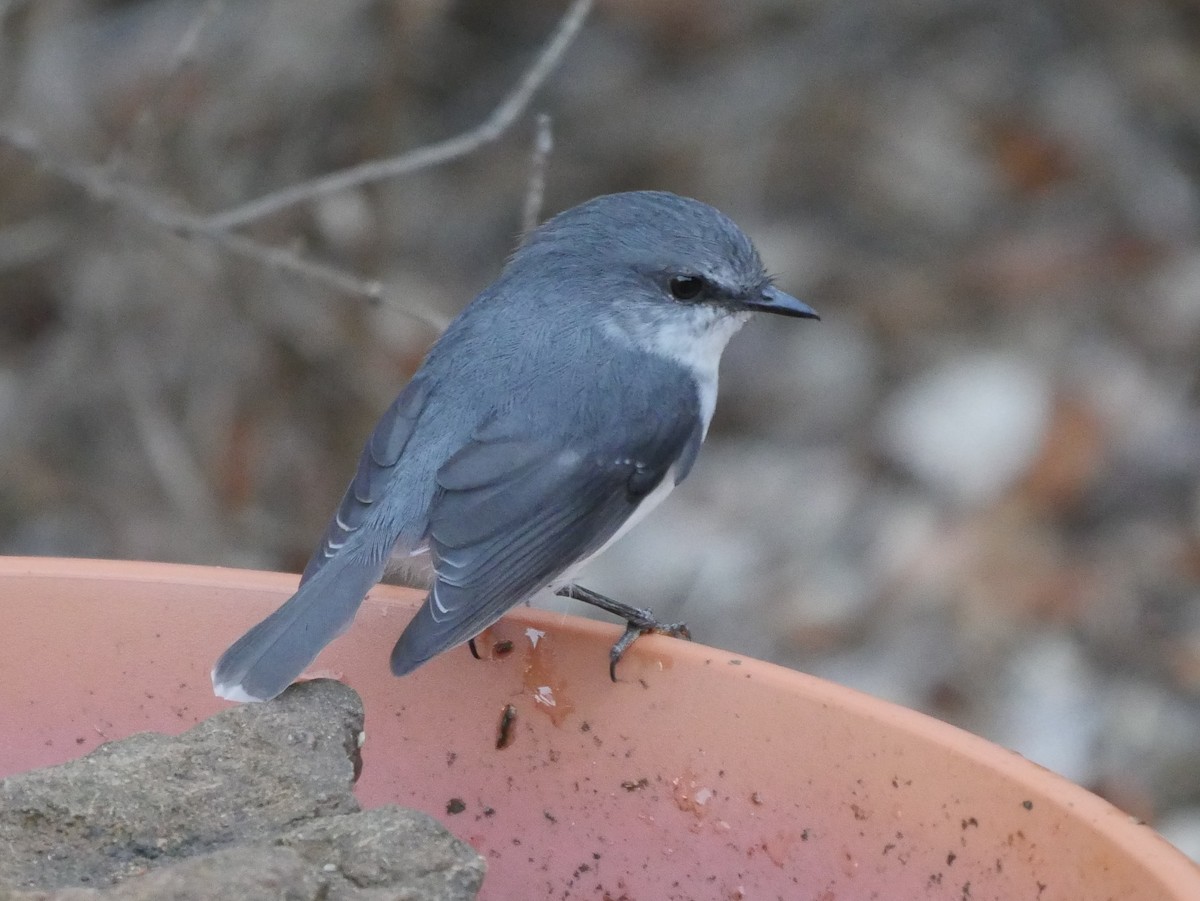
x: 375, y: 467
x: 512, y: 514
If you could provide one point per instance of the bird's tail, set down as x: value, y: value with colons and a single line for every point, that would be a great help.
x: 264, y: 661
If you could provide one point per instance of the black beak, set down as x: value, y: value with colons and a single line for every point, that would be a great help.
x: 772, y: 300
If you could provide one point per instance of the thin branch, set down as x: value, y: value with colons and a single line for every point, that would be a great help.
x: 489, y: 130
x: 101, y: 186
x: 535, y: 193
x: 98, y: 184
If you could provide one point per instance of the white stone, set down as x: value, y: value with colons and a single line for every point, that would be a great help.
x: 970, y: 428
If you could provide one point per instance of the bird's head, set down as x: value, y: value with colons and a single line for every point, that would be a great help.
x: 653, y: 249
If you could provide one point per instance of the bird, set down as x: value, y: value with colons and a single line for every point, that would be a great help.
x: 558, y: 409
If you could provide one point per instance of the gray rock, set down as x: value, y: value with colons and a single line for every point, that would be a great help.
x: 253, y: 803
x: 387, y: 854
x: 247, y: 873
x: 970, y: 428
x: 139, y: 803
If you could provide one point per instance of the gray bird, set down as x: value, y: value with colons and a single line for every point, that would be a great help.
x: 560, y: 407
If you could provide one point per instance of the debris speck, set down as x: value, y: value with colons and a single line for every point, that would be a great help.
x: 534, y: 635
x: 504, y: 734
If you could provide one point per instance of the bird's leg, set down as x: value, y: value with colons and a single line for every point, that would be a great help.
x: 638, y: 622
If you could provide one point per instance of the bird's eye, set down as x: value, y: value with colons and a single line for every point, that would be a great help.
x: 686, y: 287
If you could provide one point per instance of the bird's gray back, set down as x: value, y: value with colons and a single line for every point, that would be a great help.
x: 523, y: 358
x: 532, y: 361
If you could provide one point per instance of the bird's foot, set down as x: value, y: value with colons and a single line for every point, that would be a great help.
x: 635, y: 629
x: 638, y: 622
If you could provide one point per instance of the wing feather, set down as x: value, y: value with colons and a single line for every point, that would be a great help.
x: 511, y: 515
x: 375, y: 467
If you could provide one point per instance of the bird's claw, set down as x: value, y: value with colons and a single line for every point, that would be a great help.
x: 637, y: 626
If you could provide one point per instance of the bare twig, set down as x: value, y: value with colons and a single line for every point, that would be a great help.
x: 98, y: 183
x: 489, y: 130
x: 535, y: 194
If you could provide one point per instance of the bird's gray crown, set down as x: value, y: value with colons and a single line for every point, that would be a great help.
x: 642, y: 239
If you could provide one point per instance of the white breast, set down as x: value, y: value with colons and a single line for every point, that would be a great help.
x: 696, y: 341
x: 694, y: 337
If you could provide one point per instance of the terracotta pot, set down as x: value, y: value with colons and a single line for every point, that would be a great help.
x: 699, y: 775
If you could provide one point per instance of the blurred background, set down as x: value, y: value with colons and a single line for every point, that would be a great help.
x: 973, y: 488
